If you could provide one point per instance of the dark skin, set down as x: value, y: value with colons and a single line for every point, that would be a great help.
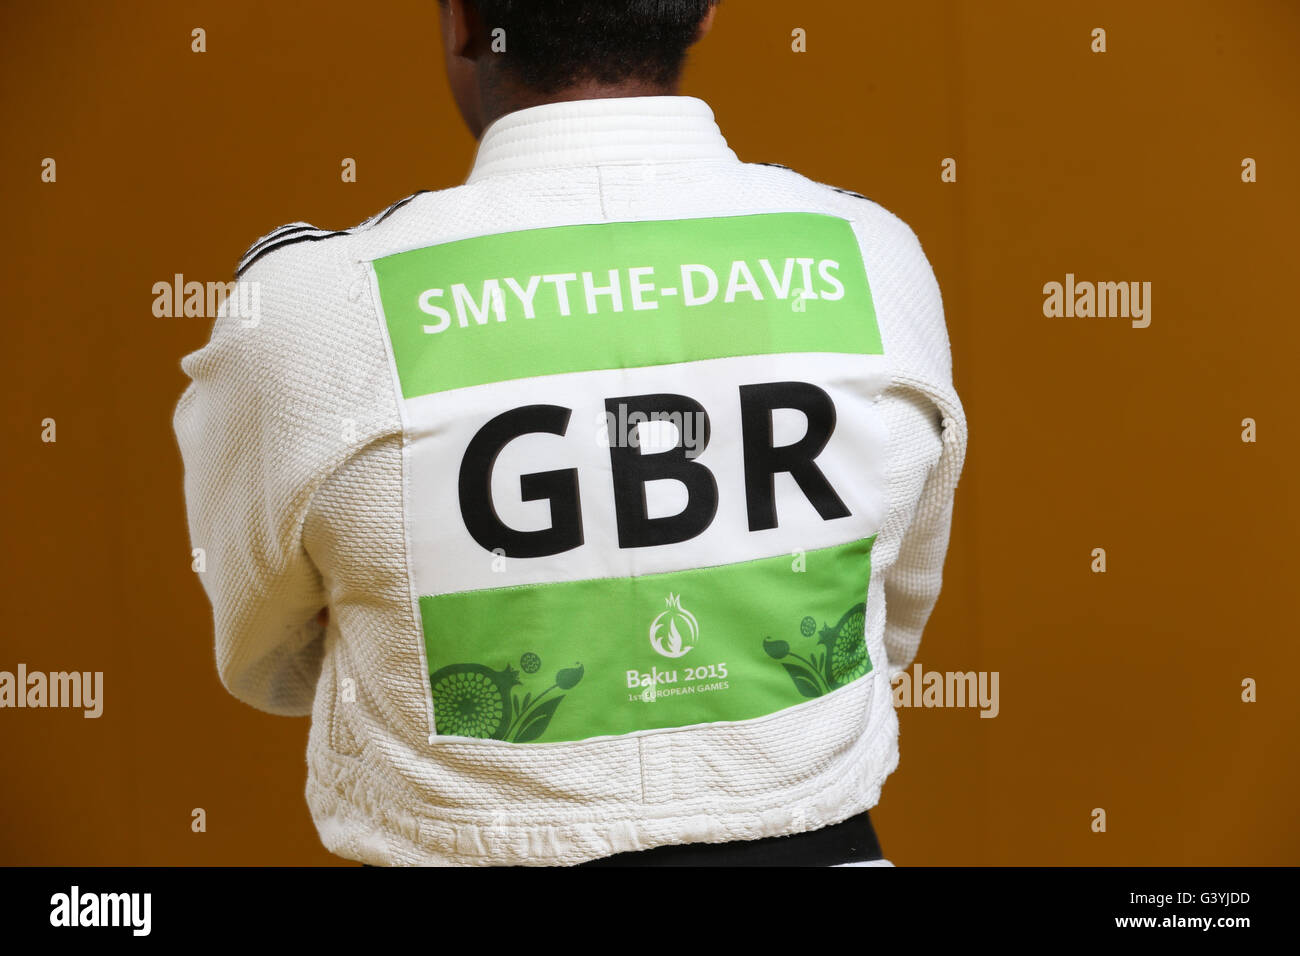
x: 483, y: 91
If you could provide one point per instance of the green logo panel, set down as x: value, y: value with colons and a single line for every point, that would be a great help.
x: 623, y: 295
x: 608, y: 656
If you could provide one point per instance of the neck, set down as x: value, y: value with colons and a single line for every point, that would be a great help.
x: 503, y: 101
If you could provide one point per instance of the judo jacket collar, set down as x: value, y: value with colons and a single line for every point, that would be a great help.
x: 622, y: 130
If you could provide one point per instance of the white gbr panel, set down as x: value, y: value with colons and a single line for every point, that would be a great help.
x: 446, y: 558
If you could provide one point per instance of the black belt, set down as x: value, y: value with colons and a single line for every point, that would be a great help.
x: 852, y: 841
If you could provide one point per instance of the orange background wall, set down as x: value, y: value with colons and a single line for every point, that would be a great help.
x: 1119, y: 690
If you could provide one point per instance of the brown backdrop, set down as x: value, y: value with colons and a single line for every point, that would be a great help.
x: 1119, y: 690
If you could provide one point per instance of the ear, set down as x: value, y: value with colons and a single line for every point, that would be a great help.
x: 706, y: 24
x: 464, y: 29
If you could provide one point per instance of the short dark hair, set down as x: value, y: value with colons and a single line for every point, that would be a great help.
x: 553, y: 44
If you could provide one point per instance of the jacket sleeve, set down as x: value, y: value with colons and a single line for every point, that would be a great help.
x: 913, y: 583
x: 247, y: 488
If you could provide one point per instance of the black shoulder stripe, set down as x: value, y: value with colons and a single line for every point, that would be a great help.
x: 305, y: 232
x: 377, y: 219
x: 278, y: 231
x: 850, y: 192
x: 275, y: 236
x: 847, y: 192
x: 287, y: 241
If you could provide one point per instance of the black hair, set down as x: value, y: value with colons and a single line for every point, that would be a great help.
x: 553, y: 44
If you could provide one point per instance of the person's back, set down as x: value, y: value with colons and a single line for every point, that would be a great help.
x: 625, y: 471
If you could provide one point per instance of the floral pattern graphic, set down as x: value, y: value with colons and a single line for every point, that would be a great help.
x: 473, y: 700
x: 838, y: 657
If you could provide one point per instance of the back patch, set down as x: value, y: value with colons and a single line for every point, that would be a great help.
x: 643, y: 470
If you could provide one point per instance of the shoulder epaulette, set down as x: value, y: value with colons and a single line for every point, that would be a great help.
x: 849, y: 192
x: 846, y: 192
x: 381, y: 216
x: 284, y: 236
x: 305, y: 232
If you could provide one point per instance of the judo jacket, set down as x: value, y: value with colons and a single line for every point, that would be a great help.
x: 626, y: 471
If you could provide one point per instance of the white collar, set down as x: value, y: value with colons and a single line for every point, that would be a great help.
x: 631, y: 129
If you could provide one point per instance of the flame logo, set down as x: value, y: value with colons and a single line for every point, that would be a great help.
x: 674, y: 632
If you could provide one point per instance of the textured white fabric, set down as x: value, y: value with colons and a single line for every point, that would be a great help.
x: 291, y: 439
